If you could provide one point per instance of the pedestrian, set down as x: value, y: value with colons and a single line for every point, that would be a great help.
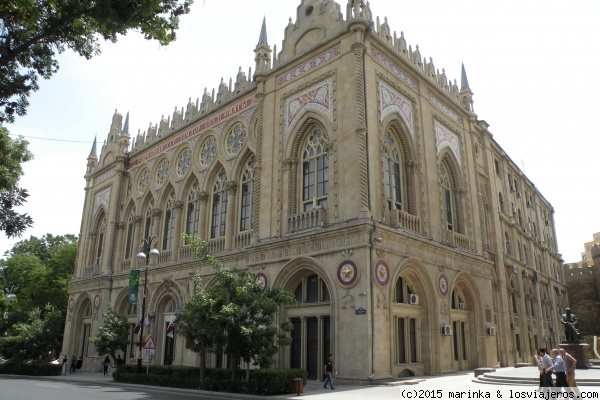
x: 570, y: 364
x: 119, y: 361
x: 559, y: 369
x: 329, y: 369
x: 73, y: 365
x: 131, y: 359
x: 545, y: 363
x: 106, y: 364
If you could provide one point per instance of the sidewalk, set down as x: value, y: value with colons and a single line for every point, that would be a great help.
x: 441, y: 384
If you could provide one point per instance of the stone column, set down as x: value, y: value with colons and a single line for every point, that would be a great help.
x: 137, y: 239
x: 118, y: 256
x: 177, y: 209
x: 231, y: 187
x: 202, y: 228
x: 156, y: 214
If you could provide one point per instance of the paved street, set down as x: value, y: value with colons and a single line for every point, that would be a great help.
x: 95, y: 386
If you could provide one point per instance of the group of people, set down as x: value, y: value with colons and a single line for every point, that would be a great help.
x: 563, y: 366
x: 75, y: 364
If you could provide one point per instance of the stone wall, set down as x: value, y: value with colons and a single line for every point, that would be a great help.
x: 582, y: 283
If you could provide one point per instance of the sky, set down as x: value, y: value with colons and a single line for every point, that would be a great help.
x: 532, y: 66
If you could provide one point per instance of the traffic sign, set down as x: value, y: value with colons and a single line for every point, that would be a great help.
x: 149, y: 345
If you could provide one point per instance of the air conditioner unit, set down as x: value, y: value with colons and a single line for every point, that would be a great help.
x: 536, y: 276
x: 514, y: 269
x: 512, y: 188
x: 514, y: 209
x: 519, y: 194
x: 528, y: 203
x: 513, y: 326
x: 491, y: 331
x: 446, y: 330
x: 547, y: 222
x: 462, y: 306
x: 525, y: 273
x: 413, y: 299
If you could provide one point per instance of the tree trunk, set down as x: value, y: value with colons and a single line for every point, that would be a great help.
x: 202, y: 366
x: 234, y: 367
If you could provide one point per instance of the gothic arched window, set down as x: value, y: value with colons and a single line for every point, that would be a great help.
x: 130, y: 233
x: 100, y: 239
x: 169, y: 225
x: 246, y: 196
x: 448, y: 198
x: 394, y: 175
x: 219, y: 206
x: 315, y: 171
x: 148, y: 220
x: 192, y: 215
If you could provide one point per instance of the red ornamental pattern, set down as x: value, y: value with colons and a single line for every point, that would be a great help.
x: 300, y: 70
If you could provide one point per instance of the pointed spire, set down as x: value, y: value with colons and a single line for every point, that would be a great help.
x: 464, y: 83
x: 93, y: 152
x: 126, y: 125
x: 263, y: 33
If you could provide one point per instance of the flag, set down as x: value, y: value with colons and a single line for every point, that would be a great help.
x: 137, y: 328
x: 172, y: 323
x: 147, y: 320
x: 134, y: 282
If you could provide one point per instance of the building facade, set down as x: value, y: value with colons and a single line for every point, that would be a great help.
x: 349, y: 171
x: 585, y: 300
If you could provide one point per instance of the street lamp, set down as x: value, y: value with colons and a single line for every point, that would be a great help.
x: 145, y: 255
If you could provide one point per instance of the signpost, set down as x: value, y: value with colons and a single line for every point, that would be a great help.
x: 149, y: 347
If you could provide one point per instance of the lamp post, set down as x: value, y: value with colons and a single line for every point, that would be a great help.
x: 145, y: 255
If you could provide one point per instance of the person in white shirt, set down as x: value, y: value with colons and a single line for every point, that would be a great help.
x: 559, y: 369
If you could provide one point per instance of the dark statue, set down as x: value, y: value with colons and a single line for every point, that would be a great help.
x: 569, y: 321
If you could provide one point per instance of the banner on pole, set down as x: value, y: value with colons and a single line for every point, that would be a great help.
x: 134, y: 283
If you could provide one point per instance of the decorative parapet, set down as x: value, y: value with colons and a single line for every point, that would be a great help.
x: 404, y: 220
x: 313, y: 218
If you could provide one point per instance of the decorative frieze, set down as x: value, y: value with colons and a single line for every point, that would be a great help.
x: 101, y: 199
x: 108, y: 174
x: 318, y: 98
x: 312, y: 64
x: 392, y: 101
x: 446, y: 138
x: 390, y: 66
x: 445, y: 109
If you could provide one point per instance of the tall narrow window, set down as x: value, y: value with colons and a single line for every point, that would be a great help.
x: 130, y: 233
x: 315, y: 171
x: 100, y: 242
x: 401, y: 342
x: 148, y: 220
x: 169, y: 226
x: 246, y: 196
x: 448, y: 198
x: 394, y: 185
x: 192, y: 210
x: 219, y: 206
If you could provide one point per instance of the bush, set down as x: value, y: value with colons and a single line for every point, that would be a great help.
x: 266, y: 381
x: 33, y: 369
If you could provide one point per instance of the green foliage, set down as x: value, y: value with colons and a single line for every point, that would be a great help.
x: 36, y: 338
x: 12, y: 154
x: 235, y: 315
x: 113, y: 336
x: 264, y: 381
x: 32, y: 369
x: 33, y: 32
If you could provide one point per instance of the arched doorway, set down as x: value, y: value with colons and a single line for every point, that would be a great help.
x: 83, y: 326
x: 465, y: 307
x: 312, y: 333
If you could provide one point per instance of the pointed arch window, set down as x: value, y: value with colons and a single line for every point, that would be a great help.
x: 148, y: 220
x: 246, y: 196
x: 448, y: 198
x: 312, y: 290
x: 219, y: 206
x: 192, y: 210
x: 394, y: 175
x: 100, y: 239
x: 130, y: 233
x: 169, y: 226
x: 315, y: 171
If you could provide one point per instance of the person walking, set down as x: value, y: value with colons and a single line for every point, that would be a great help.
x: 559, y: 369
x: 545, y: 363
x: 73, y: 365
x: 106, y: 365
x: 570, y: 364
x: 329, y: 369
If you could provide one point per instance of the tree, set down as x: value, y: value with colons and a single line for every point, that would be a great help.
x: 37, y: 271
x: 236, y: 315
x: 12, y: 154
x: 36, y: 338
x: 113, y: 335
x: 33, y: 32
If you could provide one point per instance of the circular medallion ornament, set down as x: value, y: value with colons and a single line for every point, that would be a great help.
x: 71, y: 304
x: 261, y: 280
x: 97, y: 302
x: 443, y: 284
x: 347, y: 273
x: 382, y: 273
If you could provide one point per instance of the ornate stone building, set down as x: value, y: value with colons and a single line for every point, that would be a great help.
x: 583, y: 282
x: 350, y: 171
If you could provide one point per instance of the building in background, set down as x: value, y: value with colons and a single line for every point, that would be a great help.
x: 583, y: 284
x: 350, y: 171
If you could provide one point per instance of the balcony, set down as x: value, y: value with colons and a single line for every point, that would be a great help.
x: 404, y: 220
x: 216, y: 245
x: 125, y: 265
x: 242, y: 240
x: 313, y: 218
x: 164, y: 256
x: 456, y: 239
x: 91, y: 270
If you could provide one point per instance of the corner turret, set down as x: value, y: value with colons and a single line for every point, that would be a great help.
x: 465, y: 95
x: 262, y: 57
